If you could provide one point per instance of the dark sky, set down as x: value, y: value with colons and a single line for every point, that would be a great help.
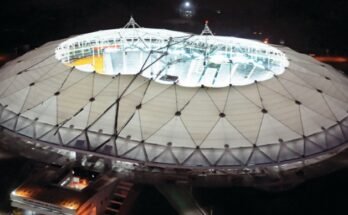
x: 304, y: 25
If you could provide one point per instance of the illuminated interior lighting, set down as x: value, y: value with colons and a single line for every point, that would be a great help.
x: 188, y: 60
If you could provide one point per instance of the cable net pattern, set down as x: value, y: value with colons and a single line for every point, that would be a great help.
x: 298, y: 114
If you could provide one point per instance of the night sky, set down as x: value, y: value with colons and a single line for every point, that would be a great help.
x: 310, y: 26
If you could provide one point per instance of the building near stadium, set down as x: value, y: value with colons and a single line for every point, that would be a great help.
x: 156, y: 98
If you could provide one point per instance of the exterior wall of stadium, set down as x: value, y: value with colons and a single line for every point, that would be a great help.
x: 275, y: 176
x: 312, y: 156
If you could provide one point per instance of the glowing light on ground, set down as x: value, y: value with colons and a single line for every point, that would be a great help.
x: 332, y: 59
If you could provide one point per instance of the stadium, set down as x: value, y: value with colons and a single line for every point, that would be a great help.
x: 112, y: 110
x: 156, y: 98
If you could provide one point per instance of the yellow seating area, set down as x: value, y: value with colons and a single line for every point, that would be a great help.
x: 97, y: 63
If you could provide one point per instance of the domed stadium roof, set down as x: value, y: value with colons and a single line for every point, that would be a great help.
x: 168, y: 98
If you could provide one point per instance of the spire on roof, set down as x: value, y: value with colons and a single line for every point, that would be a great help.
x: 131, y: 23
x: 206, y: 29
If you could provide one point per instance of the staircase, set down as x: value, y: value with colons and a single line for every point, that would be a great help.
x: 118, y: 198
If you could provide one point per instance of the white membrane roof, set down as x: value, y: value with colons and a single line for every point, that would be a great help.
x: 300, y: 112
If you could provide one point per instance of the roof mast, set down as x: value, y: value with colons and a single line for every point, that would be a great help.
x: 132, y: 23
x: 206, y: 30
